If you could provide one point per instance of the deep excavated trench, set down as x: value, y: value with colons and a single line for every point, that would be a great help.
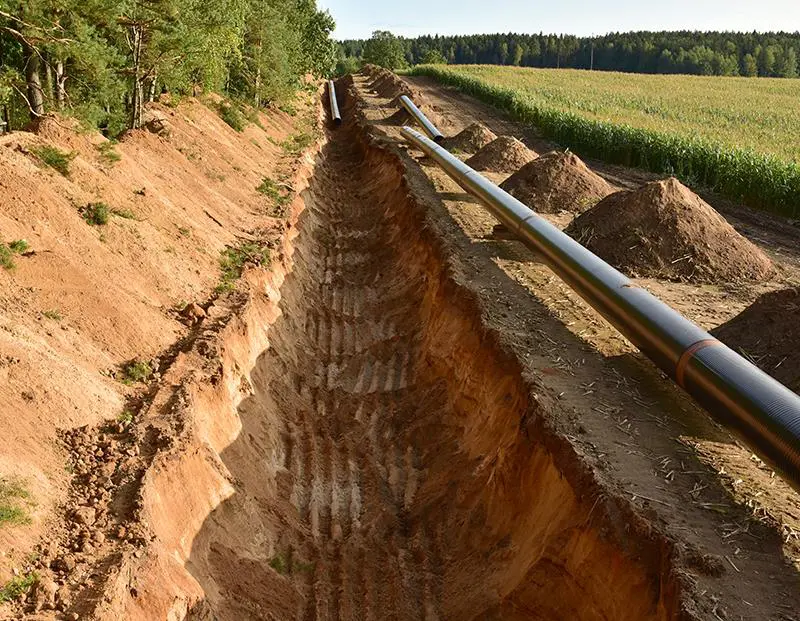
x: 392, y: 463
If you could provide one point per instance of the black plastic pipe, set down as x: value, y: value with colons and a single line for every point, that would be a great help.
x: 428, y: 127
x: 735, y: 392
x: 335, y: 116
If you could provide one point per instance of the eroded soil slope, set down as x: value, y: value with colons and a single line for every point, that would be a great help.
x: 381, y: 461
x: 88, y: 297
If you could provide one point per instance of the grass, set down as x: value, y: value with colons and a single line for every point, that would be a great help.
x: 233, y: 260
x: 136, y: 371
x: 295, y: 143
x: 271, y: 190
x: 287, y: 564
x: 737, y: 136
x: 7, y: 252
x: 18, y: 586
x: 13, y: 498
x: 19, y: 246
x: 96, y: 214
x: 232, y: 116
x: 124, y: 213
x: 54, y: 158
x: 107, y: 153
x: 53, y: 314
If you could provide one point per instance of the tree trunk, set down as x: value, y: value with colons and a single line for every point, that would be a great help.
x: 61, y: 80
x: 49, y: 91
x: 151, y: 95
x: 137, y: 91
x: 33, y: 81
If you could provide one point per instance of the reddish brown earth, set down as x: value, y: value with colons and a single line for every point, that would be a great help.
x: 557, y: 181
x: 768, y: 333
x: 397, y: 419
x: 503, y: 155
x: 664, y: 230
x: 85, y: 300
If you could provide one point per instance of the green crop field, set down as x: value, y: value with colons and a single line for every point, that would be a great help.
x: 738, y: 136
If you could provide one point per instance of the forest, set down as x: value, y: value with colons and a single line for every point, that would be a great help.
x: 102, y: 60
x: 701, y: 53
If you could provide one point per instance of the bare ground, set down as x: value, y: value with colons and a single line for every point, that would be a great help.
x: 402, y: 418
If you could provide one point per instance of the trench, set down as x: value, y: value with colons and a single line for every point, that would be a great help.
x: 391, y: 462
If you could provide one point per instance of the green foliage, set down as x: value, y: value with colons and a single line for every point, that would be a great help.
x: 107, y: 153
x: 229, y: 113
x: 347, y: 64
x: 54, y: 158
x: 7, y: 252
x: 13, y: 498
x: 704, y: 53
x: 53, y: 314
x: 233, y: 260
x: 760, y: 180
x: 18, y: 586
x: 124, y: 213
x: 279, y: 200
x: 96, y: 214
x: 295, y: 143
x: 19, y: 246
x: 114, y: 55
x: 433, y: 57
x: 6, y: 257
x: 125, y: 417
x: 386, y: 50
x: 136, y: 371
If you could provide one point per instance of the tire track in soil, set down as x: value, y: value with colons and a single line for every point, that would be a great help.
x: 354, y: 475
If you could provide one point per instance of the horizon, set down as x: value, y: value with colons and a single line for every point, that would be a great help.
x: 571, y: 34
x: 357, y: 19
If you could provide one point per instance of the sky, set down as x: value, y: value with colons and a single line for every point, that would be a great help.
x: 356, y: 19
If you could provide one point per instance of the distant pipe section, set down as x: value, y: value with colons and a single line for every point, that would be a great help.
x: 735, y: 392
x: 428, y: 127
x: 335, y: 116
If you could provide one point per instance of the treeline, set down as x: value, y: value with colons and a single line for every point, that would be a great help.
x: 701, y: 53
x: 101, y: 60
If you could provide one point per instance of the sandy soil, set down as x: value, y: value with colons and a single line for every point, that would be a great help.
x: 85, y: 300
x: 400, y: 417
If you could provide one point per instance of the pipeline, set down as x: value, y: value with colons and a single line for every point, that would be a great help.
x: 735, y: 392
x: 335, y: 116
x: 428, y: 127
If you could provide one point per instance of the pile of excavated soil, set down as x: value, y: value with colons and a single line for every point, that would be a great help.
x: 557, y: 182
x: 665, y: 230
x: 504, y: 154
x: 470, y: 139
x: 768, y: 331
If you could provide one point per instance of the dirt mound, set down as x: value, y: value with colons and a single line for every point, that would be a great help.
x: 666, y: 231
x: 768, y: 332
x: 470, y: 139
x: 556, y: 182
x: 504, y: 154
